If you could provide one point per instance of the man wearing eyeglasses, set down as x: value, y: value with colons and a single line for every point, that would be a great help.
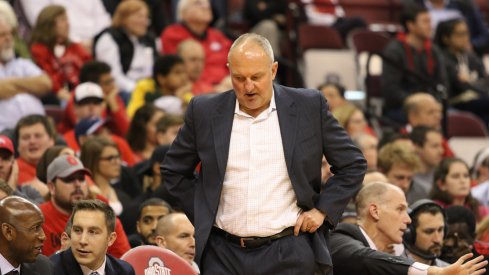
x: 67, y: 185
x: 21, y: 238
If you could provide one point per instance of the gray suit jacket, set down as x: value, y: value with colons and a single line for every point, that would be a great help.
x: 42, y: 266
x: 308, y: 132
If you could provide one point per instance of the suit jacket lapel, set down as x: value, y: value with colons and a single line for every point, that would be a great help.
x: 222, y: 123
x: 70, y: 264
x: 287, y: 117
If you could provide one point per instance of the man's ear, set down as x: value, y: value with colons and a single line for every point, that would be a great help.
x: 160, y: 241
x: 8, y: 231
x: 112, y: 238
x: 373, y: 210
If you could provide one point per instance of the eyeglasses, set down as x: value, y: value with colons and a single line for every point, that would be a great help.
x: 112, y: 158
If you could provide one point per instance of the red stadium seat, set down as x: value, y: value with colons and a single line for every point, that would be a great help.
x: 319, y: 37
x: 148, y: 259
x: 465, y: 124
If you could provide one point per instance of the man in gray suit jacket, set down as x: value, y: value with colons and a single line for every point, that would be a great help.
x: 21, y: 238
x: 257, y: 204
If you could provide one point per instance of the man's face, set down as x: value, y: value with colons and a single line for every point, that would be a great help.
x: 176, y: 78
x: 368, y: 145
x: 107, y: 82
x: 33, y: 141
x: 429, y: 233
x: 333, y: 96
x: 146, y: 225
x: 401, y: 176
x: 90, y: 238
x: 181, y: 239
x: 27, y: 243
x: 194, y: 59
x: 252, y: 75
x: 7, y: 51
x: 392, y: 216
x: 431, y: 153
x: 89, y: 108
x: 6, y: 163
x: 197, y: 11
x: 427, y: 114
x: 169, y: 136
x: 421, y: 27
x: 65, y: 192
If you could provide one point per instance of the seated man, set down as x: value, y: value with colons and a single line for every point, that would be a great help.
x: 92, y: 232
x: 21, y: 238
x: 176, y: 233
x: 67, y: 185
x: 150, y: 212
x: 363, y: 249
x: 424, y: 238
x: 167, y: 129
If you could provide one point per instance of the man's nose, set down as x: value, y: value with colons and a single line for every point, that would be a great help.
x: 249, y: 85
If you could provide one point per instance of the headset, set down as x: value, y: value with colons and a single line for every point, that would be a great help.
x: 410, y: 234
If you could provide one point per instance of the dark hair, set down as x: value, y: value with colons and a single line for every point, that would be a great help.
x: 153, y: 202
x: 164, y: 63
x: 47, y: 157
x: 92, y: 70
x: 44, y: 30
x: 410, y: 13
x: 440, y: 175
x: 91, y: 151
x: 390, y: 136
x: 168, y: 121
x: 30, y: 120
x: 136, y: 135
x: 96, y: 205
x: 444, y: 30
x: 340, y: 88
x: 419, y: 134
x: 432, y: 209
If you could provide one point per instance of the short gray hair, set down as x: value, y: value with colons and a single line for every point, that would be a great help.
x: 181, y: 6
x: 258, y: 40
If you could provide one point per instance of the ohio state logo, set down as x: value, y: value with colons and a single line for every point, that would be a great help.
x: 156, y: 267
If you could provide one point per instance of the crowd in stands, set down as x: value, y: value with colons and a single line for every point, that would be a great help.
x: 120, y: 79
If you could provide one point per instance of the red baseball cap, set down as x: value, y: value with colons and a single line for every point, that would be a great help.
x: 6, y: 143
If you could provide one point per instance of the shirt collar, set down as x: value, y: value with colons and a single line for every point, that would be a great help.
x: 271, y: 108
x: 100, y: 270
x: 6, y: 266
x: 369, y: 241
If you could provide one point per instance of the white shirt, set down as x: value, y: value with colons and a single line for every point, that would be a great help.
x: 6, y: 267
x: 415, y: 269
x: 141, y: 66
x: 257, y: 198
x: 100, y: 270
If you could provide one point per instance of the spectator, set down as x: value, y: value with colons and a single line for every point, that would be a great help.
x: 428, y: 144
x: 53, y: 51
x: 34, y: 134
x: 468, y: 78
x: 352, y: 119
x: 368, y: 144
x: 142, y: 135
x: 86, y: 18
x: 21, y: 48
x: 423, y: 109
x: 334, y: 93
x: 423, y: 239
x: 126, y: 46
x: 193, y: 56
x: 411, y: 63
x: 480, y: 169
x: 374, y: 176
x: 452, y: 187
x: 194, y: 17
x: 92, y: 233
x: 382, y: 220
x: 150, y: 212
x: 169, y: 79
x: 114, y: 109
x: 399, y: 163
x: 167, y: 129
x: 67, y: 185
x: 21, y: 238
x: 22, y: 83
x: 176, y: 233
x: 49, y: 155
x: 149, y: 174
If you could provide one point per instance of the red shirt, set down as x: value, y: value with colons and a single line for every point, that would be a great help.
x: 215, y: 44
x: 64, y: 69
x: 126, y: 153
x: 54, y: 225
x: 27, y: 171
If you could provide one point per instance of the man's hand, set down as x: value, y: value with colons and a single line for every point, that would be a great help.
x: 309, y: 221
x: 474, y: 266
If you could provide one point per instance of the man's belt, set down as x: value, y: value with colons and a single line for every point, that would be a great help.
x: 252, y: 242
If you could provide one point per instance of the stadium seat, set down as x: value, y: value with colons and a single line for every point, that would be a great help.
x: 465, y: 124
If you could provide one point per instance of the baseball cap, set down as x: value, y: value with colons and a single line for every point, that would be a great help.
x: 88, y: 126
x: 6, y: 143
x: 64, y: 166
x: 88, y: 90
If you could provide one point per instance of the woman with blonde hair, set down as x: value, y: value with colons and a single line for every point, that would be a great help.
x: 352, y: 119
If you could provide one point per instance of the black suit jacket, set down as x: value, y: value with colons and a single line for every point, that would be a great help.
x: 352, y: 255
x: 308, y: 132
x: 65, y: 264
x: 42, y: 266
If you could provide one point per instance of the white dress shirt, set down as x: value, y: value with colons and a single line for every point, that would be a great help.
x: 415, y: 269
x: 6, y: 267
x: 257, y: 198
x: 100, y: 270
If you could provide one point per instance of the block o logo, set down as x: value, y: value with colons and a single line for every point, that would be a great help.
x: 156, y: 267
